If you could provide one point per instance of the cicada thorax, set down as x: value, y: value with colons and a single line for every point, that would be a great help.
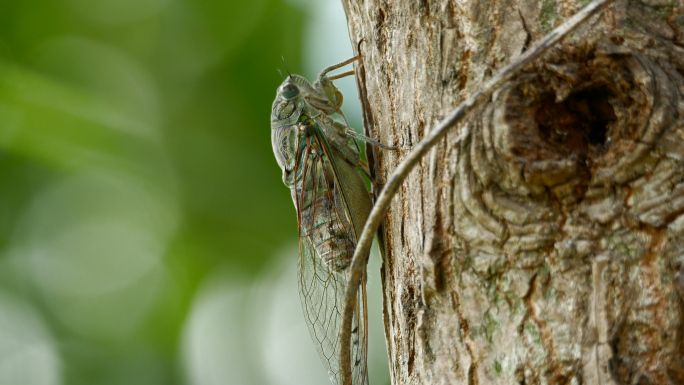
x: 323, y: 95
x: 304, y: 86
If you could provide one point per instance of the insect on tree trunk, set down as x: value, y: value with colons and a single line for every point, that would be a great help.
x: 546, y: 246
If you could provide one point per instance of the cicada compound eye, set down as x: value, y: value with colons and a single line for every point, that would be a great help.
x: 289, y: 91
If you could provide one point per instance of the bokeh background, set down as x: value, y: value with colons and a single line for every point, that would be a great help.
x: 145, y: 233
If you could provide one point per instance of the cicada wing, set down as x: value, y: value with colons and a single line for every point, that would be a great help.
x: 321, y: 291
x: 326, y: 245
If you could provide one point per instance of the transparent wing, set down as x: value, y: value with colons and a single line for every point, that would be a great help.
x: 326, y: 245
x: 322, y: 292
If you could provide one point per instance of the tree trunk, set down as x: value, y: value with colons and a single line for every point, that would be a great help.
x: 546, y: 246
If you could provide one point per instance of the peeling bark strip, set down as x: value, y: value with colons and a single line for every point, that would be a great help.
x: 546, y: 246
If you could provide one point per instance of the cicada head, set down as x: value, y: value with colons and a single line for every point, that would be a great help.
x: 286, y: 115
x: 287, y: 104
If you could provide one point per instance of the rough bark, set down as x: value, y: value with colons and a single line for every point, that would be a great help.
x: 546, y: 247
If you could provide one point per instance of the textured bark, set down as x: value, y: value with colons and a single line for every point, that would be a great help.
x: 547, y: 247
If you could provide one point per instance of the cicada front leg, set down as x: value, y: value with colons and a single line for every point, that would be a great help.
x: 325, y: 86
x: 333, y: 101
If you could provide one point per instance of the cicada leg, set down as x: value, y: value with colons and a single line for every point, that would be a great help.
x: 363, y: 166
x: 342, y: 75
x: 339, y: 65
x: 351, y: 133
x: 332, y: 92
x: 325, y: 86
x: 346, y: 132
x: 333, y: 96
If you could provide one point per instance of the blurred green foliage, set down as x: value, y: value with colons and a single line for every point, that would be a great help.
x: 175, y: 93
x: 135, y: 159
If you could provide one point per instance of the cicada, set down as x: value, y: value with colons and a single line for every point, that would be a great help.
x: 320, y: 161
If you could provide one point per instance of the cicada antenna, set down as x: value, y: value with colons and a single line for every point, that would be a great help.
x: 288, y: 71
x: 281, y: 74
